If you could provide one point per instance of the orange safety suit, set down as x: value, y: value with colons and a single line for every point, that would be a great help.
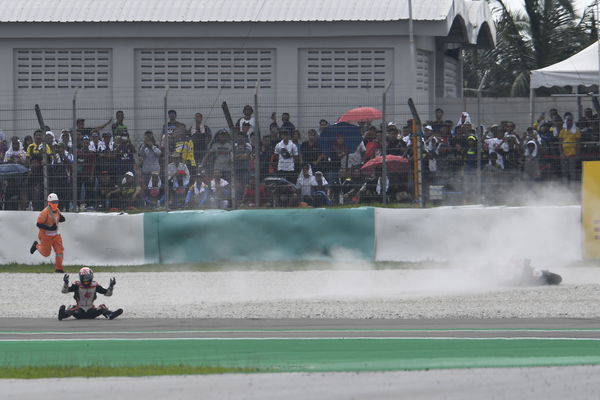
x: 50, y: 239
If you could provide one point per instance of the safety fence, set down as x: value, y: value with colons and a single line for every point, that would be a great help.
x: 243, y: 155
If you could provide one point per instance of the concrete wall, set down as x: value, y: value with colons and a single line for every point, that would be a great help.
x: 88, y: 238
x: 462, y: 234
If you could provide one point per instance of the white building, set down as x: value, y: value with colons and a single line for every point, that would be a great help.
x: 312, y: 58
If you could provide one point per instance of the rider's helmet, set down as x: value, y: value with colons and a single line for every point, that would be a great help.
x: 86, y: 276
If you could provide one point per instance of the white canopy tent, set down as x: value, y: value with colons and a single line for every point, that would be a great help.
x: 580, y: 69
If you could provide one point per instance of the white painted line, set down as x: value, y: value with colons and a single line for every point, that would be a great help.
x: 290, y: 331
x: 304, y: 338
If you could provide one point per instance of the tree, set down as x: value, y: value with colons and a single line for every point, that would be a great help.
x: 548, y: 32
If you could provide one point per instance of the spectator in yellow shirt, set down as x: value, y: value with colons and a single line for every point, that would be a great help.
x: 569, y: 137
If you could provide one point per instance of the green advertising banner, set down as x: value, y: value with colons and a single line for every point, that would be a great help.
x: 259, y: 235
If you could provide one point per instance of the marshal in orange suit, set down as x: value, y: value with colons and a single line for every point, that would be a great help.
x: 49, y: 236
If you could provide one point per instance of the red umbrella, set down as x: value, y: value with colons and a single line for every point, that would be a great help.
x: 361, y: 114
x: 395, y: 164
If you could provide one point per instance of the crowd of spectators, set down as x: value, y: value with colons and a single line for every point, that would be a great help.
x: 206, y: 169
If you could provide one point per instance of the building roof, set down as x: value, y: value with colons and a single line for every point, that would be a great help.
x: 474, y: 12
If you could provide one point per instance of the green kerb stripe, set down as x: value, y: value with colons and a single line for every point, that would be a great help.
x: 258, y: 235
x: 304, y: 355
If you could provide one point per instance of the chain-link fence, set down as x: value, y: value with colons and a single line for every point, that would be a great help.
x: 176, y: 151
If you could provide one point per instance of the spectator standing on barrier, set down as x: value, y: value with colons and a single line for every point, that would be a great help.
x: 3, y: 145
x: 179, y: 178
x: 439, y: 122
x: 219, y: 155
x: 119, y: 126
x: 286, y: 124
x: 219, y: 191
x: 287, y: 157
x: 201, y: 137
x: 395, y: 146
x: 493, y: 144
x: 337, y: 155
x: 60, y: 173
x: 266, y: 152
x: 305, y: 183
x: 531, y: 163
x: 49, y: 236
x: 320, y: 191
x: 247, y: 119
x: 150, y: 155
x: 154, y: 191
x: 470, y: 170
x: 197, y: 195
x: 15, y: 195
x: 550, y: 150
x: 36, y: 151
x: 107, y: 191
x: 249, y: 198
x: 242, y: 154
x: 65, y: 137
x: 310, y: 150
x: 86, y: 172
x: 185, y: 146
x: 124, y: 152
x: 492, y: 175
x: 296, y: 136
x: 171, y: 128
x: 128, y: 192
x: 38, y: 145
x: 589, y: 126
x: 464, y: 118
x: 569, y: 137
x: 83, y: 131
x: 15, y: 153
x: 323, y: 124
x: 106, y: 152
x: 370, y: 141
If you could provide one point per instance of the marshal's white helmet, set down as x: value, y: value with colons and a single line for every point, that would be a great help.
x: 52, y: 197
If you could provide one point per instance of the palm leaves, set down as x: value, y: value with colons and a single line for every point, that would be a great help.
x: 547, y: 32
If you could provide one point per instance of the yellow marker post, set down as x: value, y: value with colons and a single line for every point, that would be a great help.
x: 590, y: 209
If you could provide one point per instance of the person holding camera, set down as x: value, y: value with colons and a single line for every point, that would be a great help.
x: 287, y: 157
x: 124, y: 152
x: 149, y: 154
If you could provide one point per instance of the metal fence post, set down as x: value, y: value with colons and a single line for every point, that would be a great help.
x: 384, y: 186
x: 166, y: 149
x: 479, y: 135
x: 256, y: 149
x: 74, y: 174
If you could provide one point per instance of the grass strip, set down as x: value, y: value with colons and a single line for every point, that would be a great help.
x: 95, y: 371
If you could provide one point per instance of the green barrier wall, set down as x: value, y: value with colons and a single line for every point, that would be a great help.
x: 258, y: 235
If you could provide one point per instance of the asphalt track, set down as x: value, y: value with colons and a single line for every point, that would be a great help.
x: 142, y: 328
x: 301, y: 345
x: 330, y: 359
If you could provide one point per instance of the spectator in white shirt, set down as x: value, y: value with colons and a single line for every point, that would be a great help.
x: 287, y: 153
